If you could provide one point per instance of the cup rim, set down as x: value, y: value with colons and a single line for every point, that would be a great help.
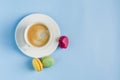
x: 25, y: 35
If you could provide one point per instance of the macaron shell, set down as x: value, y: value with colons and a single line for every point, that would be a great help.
x: 40, y: 63
x: 66, y: 41
x: 37, y: 64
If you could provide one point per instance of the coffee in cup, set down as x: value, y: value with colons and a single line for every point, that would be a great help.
x: 37, y: 35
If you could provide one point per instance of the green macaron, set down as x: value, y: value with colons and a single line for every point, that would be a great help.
x: 47, y: 61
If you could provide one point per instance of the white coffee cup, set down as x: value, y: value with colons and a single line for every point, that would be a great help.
x: 28, y: 44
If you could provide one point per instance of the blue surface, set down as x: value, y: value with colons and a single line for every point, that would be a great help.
x: 93, y: 27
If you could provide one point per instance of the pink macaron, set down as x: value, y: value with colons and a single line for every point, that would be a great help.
x: 63, y: 42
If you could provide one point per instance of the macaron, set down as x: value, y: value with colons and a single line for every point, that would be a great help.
x: 63, y: 42
x: 47, y: 61
x: 37, y: 64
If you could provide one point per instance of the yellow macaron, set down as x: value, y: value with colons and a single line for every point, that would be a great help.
x: 38, y: 66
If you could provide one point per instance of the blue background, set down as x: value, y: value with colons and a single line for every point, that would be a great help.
x: 93, y: 27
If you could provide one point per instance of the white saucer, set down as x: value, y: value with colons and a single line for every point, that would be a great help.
x: 33, y: 51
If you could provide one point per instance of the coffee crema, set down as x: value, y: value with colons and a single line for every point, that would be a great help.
x: 38, y: 35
